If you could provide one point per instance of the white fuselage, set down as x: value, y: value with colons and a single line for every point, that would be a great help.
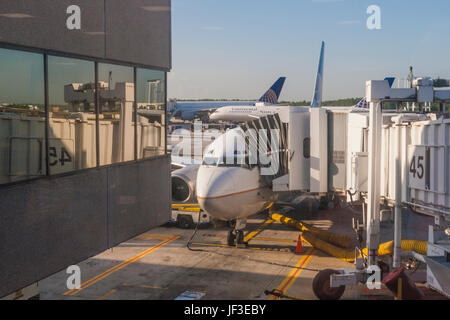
x: 244, y: 113
x: 228, y: 191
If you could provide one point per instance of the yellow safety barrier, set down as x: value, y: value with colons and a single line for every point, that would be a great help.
x: 341, y: 241
x: 186, y: 207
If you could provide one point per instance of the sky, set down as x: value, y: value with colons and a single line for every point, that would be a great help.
x: 236, y: 49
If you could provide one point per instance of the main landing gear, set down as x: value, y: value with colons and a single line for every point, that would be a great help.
x: 236, y: 236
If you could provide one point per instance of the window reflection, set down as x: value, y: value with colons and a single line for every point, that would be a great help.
x: 22, y: 116
x: 71, y: 87
x: 116, y: 95
x: 72, y: 114
x: 151, y: 105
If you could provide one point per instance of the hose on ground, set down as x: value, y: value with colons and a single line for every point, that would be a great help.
x: 335, y: 239
x: 337, y: 245
x: 348, y: 255
x: 340, y: 253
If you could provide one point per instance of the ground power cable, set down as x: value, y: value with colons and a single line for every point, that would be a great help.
x: 188, y: 245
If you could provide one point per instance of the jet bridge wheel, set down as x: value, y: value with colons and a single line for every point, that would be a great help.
x: 321, y: 286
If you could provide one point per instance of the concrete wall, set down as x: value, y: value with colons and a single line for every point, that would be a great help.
x: 134, y: 31
x: 51, y: 223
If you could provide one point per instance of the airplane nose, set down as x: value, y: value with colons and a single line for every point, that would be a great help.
x: 211, y: 206
x: 213, y: 186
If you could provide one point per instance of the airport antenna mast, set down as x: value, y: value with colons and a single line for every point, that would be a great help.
x: 410, y: 77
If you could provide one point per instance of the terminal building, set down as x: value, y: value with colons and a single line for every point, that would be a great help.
x: 83, y: 157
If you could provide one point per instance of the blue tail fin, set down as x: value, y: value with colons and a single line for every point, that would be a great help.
x: 317, y: 98
x: 271, y: 96
x: 390, y: 80
x: 363, y: 104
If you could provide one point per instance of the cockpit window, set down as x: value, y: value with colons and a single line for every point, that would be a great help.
x: 236, y: 161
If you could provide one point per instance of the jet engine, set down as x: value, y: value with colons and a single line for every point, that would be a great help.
x: 183, y: 184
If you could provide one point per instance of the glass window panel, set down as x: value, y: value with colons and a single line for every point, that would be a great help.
x: 116, y: 130
x: 71, y: 91
x: 22, y: 116
x: 151, y: 105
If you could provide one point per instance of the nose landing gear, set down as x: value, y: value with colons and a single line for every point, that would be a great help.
x: 236, y: 236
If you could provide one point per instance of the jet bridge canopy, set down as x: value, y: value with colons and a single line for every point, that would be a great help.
x: 268, y: 134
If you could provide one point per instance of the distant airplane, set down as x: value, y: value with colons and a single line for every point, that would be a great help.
x: 189, y: 110
x: 263, y: 107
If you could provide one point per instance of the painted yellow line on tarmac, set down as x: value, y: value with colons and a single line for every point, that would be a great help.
x: 246, y: 248
x: 257, y: 231
x: 107, y: 294
x: 142, y: 286
x: 294, y: 274
x: 211, y: 244
x: 275, y: 239
x: 122, y: 265
x: 154, y: 236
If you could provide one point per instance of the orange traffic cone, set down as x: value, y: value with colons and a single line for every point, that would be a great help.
x: 299, y: 248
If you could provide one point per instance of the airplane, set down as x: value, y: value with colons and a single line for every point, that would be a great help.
x: 189, y: 110
x: 263, y: 107
x: 227, y: 185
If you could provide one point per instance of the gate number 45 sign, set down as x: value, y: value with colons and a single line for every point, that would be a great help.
x: 419, y: 167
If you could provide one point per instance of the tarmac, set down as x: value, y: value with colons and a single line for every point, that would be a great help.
x: 157, y: 265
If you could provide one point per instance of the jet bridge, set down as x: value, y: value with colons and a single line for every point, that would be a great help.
x: 390, y: 159
x: 292, y: 153
x: 426, y: 163
x: 271, y: 129
x: 405, y: 163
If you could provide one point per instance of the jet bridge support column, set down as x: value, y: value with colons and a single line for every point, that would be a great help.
x: 373, y: 207
x: 398, y: 199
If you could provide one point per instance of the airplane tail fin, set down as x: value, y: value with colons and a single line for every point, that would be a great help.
x: 271, y: 96
x: 317, y: 98
x: 390, y: 80
x: 363, y: 104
